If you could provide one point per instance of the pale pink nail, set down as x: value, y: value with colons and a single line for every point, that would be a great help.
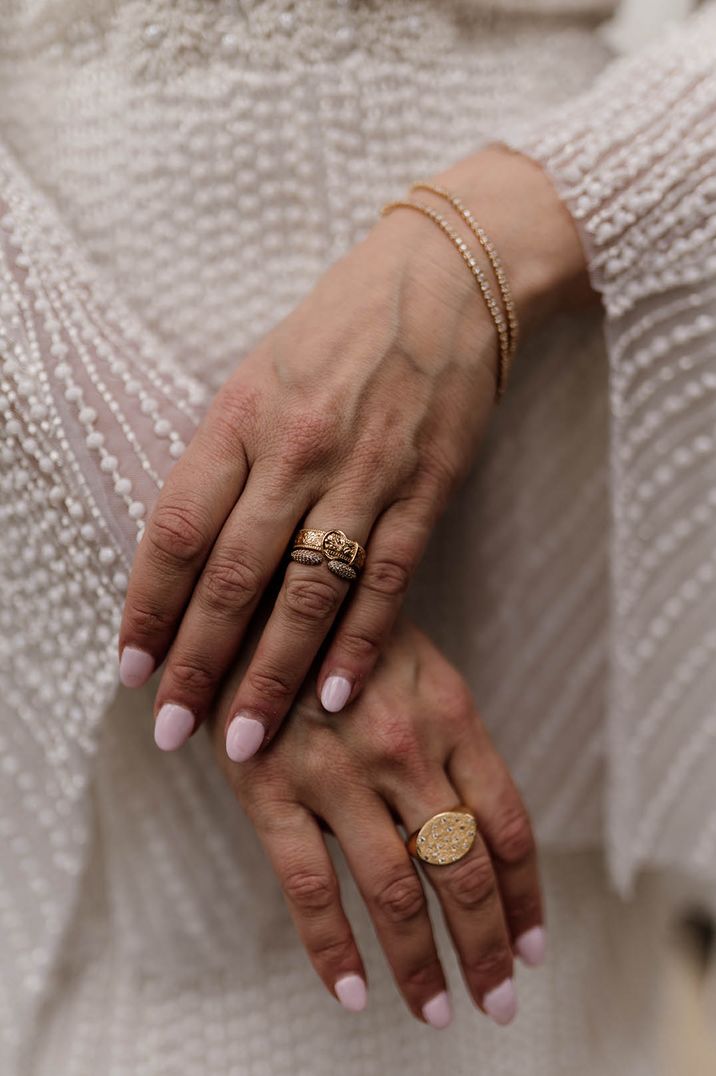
x: 501, y: 1003
x: 438, y: 1011
x: 135, y: 667
x: 531, y: 946
x: 335, y: 694
x: 351, y: 992
x: 243, y: 738
x: 173, y: 727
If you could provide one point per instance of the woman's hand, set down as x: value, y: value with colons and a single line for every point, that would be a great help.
x: 411, y: 746
x: 360, y: 411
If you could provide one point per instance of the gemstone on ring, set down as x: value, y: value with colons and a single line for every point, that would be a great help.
x: 339, y: 567
x: 306, y: 556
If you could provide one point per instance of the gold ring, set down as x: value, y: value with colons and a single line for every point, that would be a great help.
x: 344, y: 557
x: 444, y: 838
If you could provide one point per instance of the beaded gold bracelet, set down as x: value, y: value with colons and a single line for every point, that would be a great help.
x: 506, y: 324
x: 489, y: 248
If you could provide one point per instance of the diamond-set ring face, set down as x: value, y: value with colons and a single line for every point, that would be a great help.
x: 446, y: 837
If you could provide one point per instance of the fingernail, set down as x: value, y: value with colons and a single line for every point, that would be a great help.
x: 335, y: 694
x: 244, y: 736
x: 501, y: 1003
x: 351, y: 992
x: 173, y: 727
x: 531, y: 946
x: 135, y: 667
x: 438, y: 1011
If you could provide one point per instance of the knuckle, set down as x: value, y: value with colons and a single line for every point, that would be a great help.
x: 440, y: 470
x: 471, y: 883
x: 513, y: 840
x: 395, y: 742
x: 525, y: 908
x: 332, y: 950
x: 387, y: 576
x: 191, y: 677
x: 311, y: 599
x: 401, y: 898
x: 491, y: 964
x: 235, y: 412
x: 145, y: 621
x: 269, y: 685
x: 456, y: 703
x: 309, y: 891
x: 309, y: 438
x: 230, y: 584
x: 422, y: 977
x: 358, y: 645
x: 176, y: 534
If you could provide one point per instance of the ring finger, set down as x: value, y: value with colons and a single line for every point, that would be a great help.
x: 306, y: 606
x: 470, y: 896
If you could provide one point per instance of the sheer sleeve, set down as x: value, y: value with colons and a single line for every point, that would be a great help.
x: 92, y: 417
x: 635, y: 161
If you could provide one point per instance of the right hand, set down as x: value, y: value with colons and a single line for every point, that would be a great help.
x: 410, y: 746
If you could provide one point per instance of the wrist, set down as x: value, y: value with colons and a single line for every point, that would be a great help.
x: 534, y: 233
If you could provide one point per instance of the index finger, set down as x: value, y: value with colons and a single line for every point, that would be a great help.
x: 196, y: 499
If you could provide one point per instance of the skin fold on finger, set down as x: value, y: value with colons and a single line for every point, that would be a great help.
x: 471, y: 903
x: 238, y: 572
x: 193, y: 505
x: 394, y: 896
x: 298, y: 853
x: 305, y: 610
x: 487, y: 786
x: 396, y: 544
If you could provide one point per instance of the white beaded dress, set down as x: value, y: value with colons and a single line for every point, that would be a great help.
x: 174, y: 176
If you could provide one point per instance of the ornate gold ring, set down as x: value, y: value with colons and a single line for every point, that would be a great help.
x: 344, y: 557
x: 444, y: 838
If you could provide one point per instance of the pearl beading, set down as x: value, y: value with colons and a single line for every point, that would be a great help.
x: 641, y: 183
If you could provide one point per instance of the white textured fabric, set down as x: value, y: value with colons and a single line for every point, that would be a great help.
x: 210, y: 161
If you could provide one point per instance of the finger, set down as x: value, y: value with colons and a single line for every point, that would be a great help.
x: 239, y: 568
x: 470, y: 899
x: 197, y: 497
x: 483, y: 781
x: 396, y: 545
x: 299, y: 856
x: 394, y: 896
x: 305, y: 609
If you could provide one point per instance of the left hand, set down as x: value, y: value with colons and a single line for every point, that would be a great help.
x: 361, y: 410
x: 412, y: 745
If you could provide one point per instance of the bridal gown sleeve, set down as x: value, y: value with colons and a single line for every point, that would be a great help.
x: 635, y: 161
x: 91, y: 419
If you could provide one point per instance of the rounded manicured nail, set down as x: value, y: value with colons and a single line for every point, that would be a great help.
x: 244, y: 736
x: 173, y: 726
x: 531, y: 946
x: 351, y: 992
x: 501, y: 1003
x: 335, y: 694
x: 438, y: 1011
x: 135, y: 667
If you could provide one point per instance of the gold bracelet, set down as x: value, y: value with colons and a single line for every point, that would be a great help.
x: 489, y: 248
x: 503, y: 336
